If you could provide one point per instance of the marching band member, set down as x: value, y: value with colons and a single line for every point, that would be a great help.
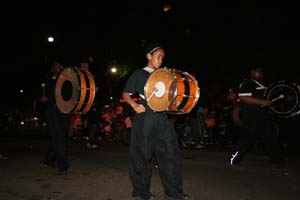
x: 57, y: 125
x: 152, y: 137
x: 256, y: 121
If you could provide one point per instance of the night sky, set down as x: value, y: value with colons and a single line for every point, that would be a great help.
x: 214, y: 40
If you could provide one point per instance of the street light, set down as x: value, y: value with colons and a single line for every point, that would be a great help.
x: 113, y: 70
x: 49, y: 46
x: 50, y: 39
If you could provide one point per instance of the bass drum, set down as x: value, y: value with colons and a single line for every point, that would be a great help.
x: 171, y: 90
x: 285, y: 99
x: 75, y: 90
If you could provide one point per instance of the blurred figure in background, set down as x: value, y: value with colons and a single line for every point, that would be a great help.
x: 91, y: 120
x: 57, y: 125
x: 257, y: 122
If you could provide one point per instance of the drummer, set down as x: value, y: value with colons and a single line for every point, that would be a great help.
x: 257, y: 122
x: 57, y: 125
x: 153, y: 137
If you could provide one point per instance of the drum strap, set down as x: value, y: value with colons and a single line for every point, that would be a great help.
x: 148, y: 69
x: 261, y: 86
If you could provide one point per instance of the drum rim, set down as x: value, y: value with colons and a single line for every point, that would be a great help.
x: 73, y: 99
x: 196, y: 97
x: 92, y: 91
x: 296, y: 108
x: 146, y: 89
x: 172, y: 72
x: 78, y: 103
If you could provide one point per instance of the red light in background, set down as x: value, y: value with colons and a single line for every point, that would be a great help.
x: 134, y: 99
x: 167, y: 7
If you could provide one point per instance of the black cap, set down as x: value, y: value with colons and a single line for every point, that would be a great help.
x: 152, y: 47
x: 84, y: 59
x: 254, y: 66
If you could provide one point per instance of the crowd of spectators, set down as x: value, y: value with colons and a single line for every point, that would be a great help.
x: 215, y: 123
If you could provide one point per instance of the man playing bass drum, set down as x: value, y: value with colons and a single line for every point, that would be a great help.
x: 257, y: 122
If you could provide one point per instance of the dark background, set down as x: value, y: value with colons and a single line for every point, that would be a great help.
x: 214, y: 40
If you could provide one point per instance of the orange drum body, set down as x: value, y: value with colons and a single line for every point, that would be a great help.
x: 171, y: 90
x: 75, y: 90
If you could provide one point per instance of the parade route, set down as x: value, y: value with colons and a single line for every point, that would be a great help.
x: 101, y: 174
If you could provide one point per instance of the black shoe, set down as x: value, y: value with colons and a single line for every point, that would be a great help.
x: 234, y: 161
x: 49, y: 164
x: 2, y: 157
x: 178, y: 197
x: 234, y: 165
x: 279, y: 164
x: 152, y: 197
x: 62, y: 171
x: 280, y: 168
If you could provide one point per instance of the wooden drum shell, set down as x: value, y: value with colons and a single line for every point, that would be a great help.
x: 81, y: 89
x: 171, y: 90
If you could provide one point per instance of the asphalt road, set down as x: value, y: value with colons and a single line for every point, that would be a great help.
x: 102, y: 174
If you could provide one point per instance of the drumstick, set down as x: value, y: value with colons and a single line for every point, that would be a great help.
x: 43, y: 85
x: 277, y: 98
x: 154, y: 91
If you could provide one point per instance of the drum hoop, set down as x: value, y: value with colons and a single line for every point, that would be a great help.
x: 175, y: 95
x: 186, y: 101
x: 82, y: 93
x: 187, y: 87
x: 59, y: 81
x: 146, y: 87
x: 92, y: 91
x: 76, y: 104
x: 295, y: 110
x: 197, y: 96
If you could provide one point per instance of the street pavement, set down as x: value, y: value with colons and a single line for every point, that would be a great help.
x: 102, y: 174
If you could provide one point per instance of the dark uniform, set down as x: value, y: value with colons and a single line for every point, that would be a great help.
x: 152, y: 134
x: 257, y: 122
x: 93, y: 125
x: 93, y: 118
x: 57, y: 127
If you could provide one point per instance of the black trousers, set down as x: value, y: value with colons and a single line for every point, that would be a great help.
x: 260, y: 127
x: 92, y: 133
x: 153, y: 134
x: 57, y: 125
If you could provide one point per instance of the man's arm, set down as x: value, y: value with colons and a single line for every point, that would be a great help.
x: 252, y: 100
x: 139, y: 108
